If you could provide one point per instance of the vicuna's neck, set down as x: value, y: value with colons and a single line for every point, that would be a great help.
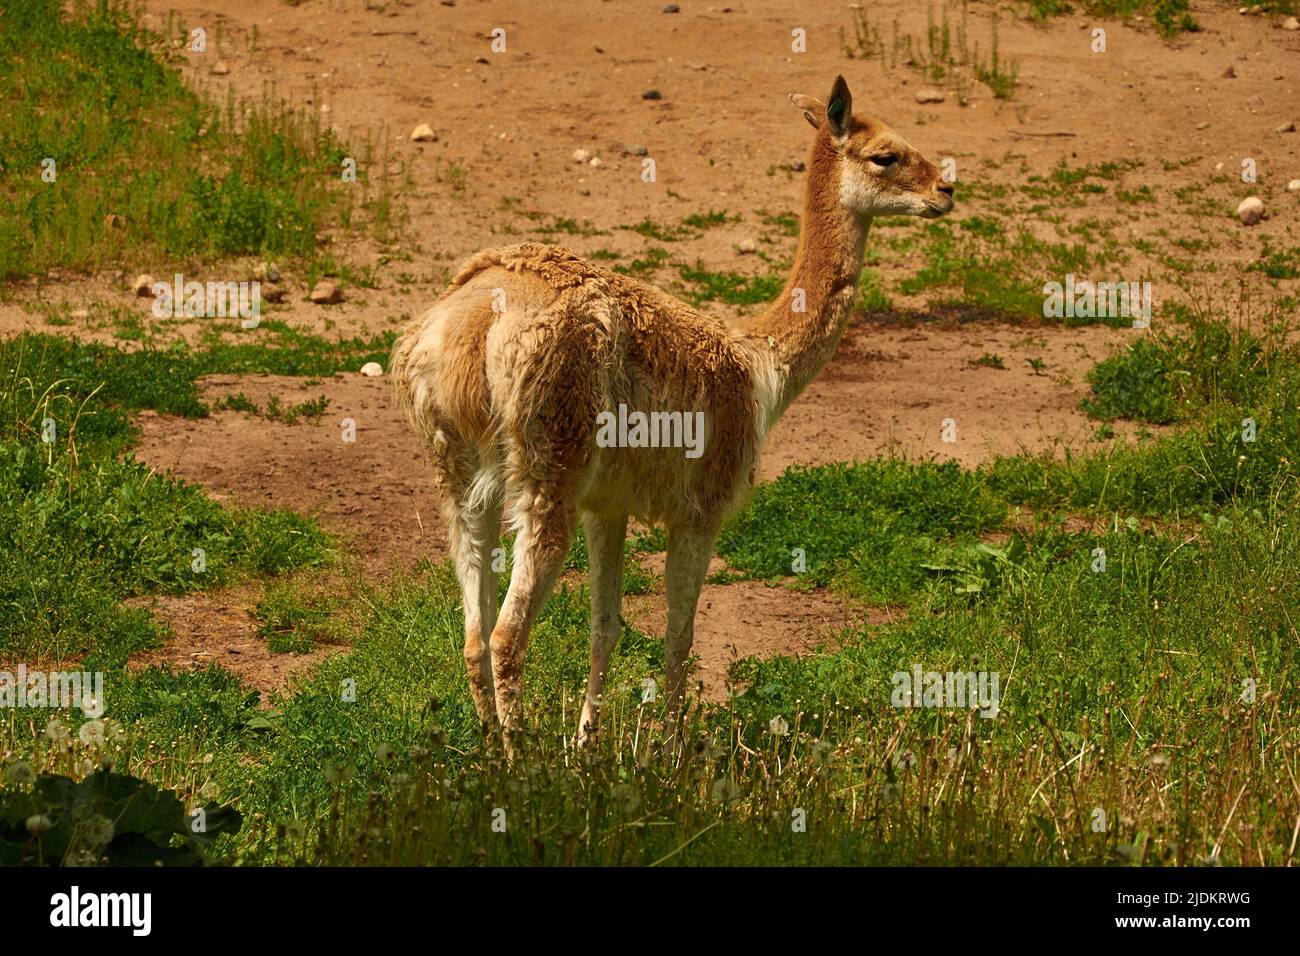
x: 803, y: 326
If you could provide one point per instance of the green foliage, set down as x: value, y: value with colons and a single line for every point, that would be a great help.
x: 106, y: 817
x: 293, y: 622
x: 872, y: 521
x: 1133, y: 385
x: 148, y: 168
x: 84, y: 528
x: 729, y: 287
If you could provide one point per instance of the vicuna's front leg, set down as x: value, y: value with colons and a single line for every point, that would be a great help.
x: 474, y: 535
x: 689, y: 550
x: 546, y: 526
x: 605, y: 536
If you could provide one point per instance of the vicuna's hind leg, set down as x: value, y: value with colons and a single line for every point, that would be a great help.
x: 605, y: 536
x: 475, y: 533
x: 689, y: 550
x: 546, y: 523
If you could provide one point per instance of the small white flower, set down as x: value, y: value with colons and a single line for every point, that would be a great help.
x: 57, y: 730
x: 778, y: 726
x: 39, y: 823
x: 20, y: 774
x: 98, y: 831
x: 92, y: 733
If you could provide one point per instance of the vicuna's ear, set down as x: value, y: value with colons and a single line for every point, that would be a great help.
x: 814, y: 110
x: 839, y: 107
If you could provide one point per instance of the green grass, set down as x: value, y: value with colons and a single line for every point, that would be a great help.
x: 293, y: 621
x: 87, y: 526
x: 148, y: 170
x: 1171, y: 17
x: 704, y: 285
x: 1123, y: 685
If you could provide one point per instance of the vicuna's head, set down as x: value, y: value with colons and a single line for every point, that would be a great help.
x: 877, y: 172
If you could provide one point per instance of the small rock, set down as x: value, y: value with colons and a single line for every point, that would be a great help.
x: 372, y: 370
x: 636, y: 149
x: 747, y: 247
x: 1251, y: 210
x: 267, y: 271
x: 581, y: 156
x: 584, y: 191
x: 595, y: 161
x: 423, y: 134
x: 1286, y: 128
x: 220, y: 68
x: 1293, y: 186
x: 326, y: 293
x: 272, y: 293
x: 672, y: 8
x: 1291, y: 23
x: 652, y: 95
x: 1202, y: 125
x: 1230, y: 73
x: 929, y: 96
x: 143, y: 285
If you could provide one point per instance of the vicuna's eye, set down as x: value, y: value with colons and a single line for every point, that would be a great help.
x: 884, y: 159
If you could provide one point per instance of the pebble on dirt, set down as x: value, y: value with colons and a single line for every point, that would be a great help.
x: 326, y: 293
x: 1291, y: 23
x: 929, y: 96
x: 1293, y: 186
x: 652, y: 95
x: 423, y: 134
x: 747, y: 247
x: 143, y: 285
x: 1286, y: 128
x: 1251, y: 210
x: 220, y: 68
x: 372, y: 370
x: 636, y: 149
x: 581, y: 156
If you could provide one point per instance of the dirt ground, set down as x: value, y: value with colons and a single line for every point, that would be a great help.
x: 724, y: 137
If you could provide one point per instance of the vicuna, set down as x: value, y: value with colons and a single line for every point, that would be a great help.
x: 508, y: 375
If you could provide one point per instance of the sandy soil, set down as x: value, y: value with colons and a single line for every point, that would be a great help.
x: 723, y: 137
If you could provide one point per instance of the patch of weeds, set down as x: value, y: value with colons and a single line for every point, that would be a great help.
x: 732, y: 288
x: 293, y: 622
x: 872, y: 297
x: 1277, y: 263
x: 313, y: 409
x: 150, y: 169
